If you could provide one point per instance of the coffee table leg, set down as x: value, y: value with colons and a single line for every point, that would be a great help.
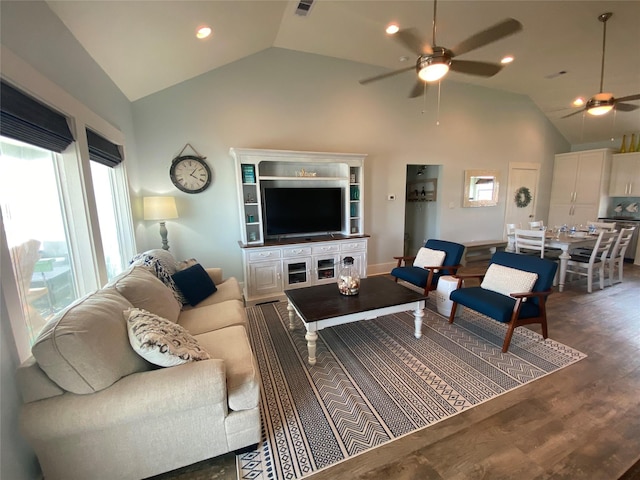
x: 292, y: 316
x: 418, y: 313
x: 311, y: 338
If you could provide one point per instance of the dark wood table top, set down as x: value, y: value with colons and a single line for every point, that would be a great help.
x: 320, y: 302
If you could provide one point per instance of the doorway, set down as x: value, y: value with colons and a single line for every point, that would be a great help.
x: 420, y: 213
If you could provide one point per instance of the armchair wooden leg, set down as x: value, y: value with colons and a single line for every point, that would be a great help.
x: 452, y: 315
x: 396, y: 279
x: 507, y: 337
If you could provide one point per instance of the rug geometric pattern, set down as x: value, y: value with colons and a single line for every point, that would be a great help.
x: 374, y: 382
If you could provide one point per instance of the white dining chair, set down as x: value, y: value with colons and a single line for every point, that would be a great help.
x: 615, y: 258
x: 536, y: 225
x: 608, y: 226
x: 586, y: 266
x: 530, y: 242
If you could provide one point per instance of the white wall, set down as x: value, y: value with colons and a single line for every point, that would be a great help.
x: 283, y: 99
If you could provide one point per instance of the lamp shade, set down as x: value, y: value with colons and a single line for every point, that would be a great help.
x: 159, y: 208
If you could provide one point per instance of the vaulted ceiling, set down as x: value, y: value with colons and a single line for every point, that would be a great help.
x: 146, y: 46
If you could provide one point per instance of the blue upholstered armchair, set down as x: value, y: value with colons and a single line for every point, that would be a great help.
x: 426, y: 276
x: 512, y: 295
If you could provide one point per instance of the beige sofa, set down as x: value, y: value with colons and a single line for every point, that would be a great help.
x: 95, y: 409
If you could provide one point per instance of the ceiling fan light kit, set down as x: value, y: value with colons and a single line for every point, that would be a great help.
x: 600, y: 104
x: 432, y: 68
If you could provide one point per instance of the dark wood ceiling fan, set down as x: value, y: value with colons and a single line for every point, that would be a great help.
x: 434, y: 61
x: 603, y: 102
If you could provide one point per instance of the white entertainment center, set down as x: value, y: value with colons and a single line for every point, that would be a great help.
x: 274, y: 263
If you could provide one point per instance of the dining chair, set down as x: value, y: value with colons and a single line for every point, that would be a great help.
x: 609, y: 226
x: 536, y: 225
x: 586, y: 265
x: 615, y: 258
x: 510, y: 228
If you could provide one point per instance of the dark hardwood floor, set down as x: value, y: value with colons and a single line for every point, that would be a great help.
x: 582, y: 422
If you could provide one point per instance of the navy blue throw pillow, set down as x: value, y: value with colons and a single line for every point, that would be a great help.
x: 194, y: 283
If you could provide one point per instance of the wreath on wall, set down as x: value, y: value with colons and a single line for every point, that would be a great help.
x: 523, y: 197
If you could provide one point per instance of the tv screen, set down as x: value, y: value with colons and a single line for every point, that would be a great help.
x: 289, y: 211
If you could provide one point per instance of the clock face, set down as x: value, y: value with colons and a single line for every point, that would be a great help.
x: 190, y: 174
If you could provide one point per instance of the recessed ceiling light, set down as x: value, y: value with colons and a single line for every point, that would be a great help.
x: 203, y: 32
x: 578, y: 102
x: 507, y: 59
x: 392, y: 28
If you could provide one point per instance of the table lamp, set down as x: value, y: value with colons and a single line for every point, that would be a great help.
x: 160, y: 208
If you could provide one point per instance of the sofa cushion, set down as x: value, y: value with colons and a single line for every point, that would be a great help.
x: 85, y: 348
x: 163, y: 265
x: 143, y: 290
x: 194, y: 283
x: 231, y: 344
x: 229, y: 289
x: 206, y: 318
x: 160, y: 341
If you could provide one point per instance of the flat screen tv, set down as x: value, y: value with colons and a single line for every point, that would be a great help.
x: 301, y: 211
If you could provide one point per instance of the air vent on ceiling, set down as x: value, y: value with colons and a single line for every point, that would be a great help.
x: 303, y: 7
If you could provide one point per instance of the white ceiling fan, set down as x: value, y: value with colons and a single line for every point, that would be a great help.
x: 603, y: 102
x: 434, y: 61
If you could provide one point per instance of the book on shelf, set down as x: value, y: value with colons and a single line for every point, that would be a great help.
x: 248, y: 174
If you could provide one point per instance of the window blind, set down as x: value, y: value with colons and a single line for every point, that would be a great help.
x: 102, y: 150
x: 25, y: 119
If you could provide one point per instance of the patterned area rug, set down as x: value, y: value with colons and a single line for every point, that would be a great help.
x: 375, y: 382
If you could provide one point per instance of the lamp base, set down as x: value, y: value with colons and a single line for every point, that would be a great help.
x: 163, y: 236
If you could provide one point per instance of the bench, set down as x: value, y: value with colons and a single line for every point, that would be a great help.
x: 481, y: 250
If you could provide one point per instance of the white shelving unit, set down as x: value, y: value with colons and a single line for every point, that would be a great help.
x: 273, y: 265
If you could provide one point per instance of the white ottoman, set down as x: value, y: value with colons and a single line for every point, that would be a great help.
x: 446, y: 284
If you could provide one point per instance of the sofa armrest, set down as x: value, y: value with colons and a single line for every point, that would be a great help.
x: 133, y: 398
x: 215, y: 273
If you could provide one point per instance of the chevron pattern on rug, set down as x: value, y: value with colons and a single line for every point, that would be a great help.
x: 375, y: 382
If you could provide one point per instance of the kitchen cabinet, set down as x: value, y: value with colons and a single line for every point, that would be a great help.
x: 580, y: 187
x: 625, y: 175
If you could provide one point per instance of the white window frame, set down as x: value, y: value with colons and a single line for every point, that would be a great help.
x: 74, y: 178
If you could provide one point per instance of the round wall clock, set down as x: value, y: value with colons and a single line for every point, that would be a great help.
x: 190, y: 174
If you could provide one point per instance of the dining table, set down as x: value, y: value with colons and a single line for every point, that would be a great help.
x: 565, y: 242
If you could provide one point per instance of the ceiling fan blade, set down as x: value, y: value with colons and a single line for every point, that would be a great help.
x: 409, y: 38
x: 626, y: 107
x: 418, y: 89
x: 482, y: 69
x: 503, y: 29
x: 386, y: 75
x: 573, y: 113
x: 628, y: 98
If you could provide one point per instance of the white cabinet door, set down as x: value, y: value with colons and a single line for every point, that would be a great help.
x: 297, y: 272
x: 265, y: 278
x: 625, y: 175
x: 588, y: 178
x: 564, y: 179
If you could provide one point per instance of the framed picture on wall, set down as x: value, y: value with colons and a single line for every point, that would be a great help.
x: 423, y: 191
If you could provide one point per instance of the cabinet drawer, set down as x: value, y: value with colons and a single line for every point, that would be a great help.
x: 321, y: 249
x: 296, y: 252
x: 256, y: 256
x: 353, y: 246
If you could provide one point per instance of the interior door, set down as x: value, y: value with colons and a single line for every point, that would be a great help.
x: 521, y: 175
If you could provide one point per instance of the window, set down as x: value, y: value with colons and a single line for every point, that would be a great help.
x: 35, y: 230
x: 65, y: 226
x: 104, y: 189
